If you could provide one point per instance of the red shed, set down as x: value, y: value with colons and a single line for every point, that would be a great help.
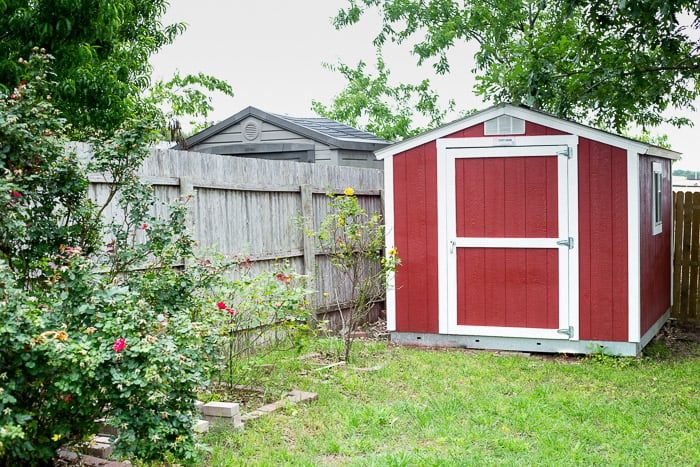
x: 519, y: 230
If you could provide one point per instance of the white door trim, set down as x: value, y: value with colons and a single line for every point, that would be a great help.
x: 634, y: 306
x: 450, y: 149
x: 390, y: 242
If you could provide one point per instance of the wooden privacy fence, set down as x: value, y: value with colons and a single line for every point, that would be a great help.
x: 255, y: 208
x: 686, y: 257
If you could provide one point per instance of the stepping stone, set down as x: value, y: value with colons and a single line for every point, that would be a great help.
x: 221, y: 409
x: 100, y: 447
x: 269, y: 407
x: 202, y: 426
x: 301, y: 396
x: 223, y: 412
x: 89, y: 461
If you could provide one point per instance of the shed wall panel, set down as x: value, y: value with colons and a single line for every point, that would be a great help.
x: 603, y: 291
x: 508, y: 287
x: 535, y: 129
x: 507, y: 197
x: 655, y: 251
x: 415, y: 225
x: 475, y: 131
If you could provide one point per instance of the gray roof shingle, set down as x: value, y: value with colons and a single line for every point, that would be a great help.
x: 332, y: 128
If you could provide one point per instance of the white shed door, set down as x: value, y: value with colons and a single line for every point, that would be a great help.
x: 510, y: 245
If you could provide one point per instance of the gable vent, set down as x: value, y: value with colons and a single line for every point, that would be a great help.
x: 504, y: 125
x: 251, y: 130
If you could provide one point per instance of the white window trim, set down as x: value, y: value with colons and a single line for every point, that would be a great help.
x: 656, y: 227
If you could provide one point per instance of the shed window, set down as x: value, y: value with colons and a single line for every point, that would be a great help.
x: 656, y: 210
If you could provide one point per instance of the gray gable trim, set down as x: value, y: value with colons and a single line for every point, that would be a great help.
x: 322, y: 130
x: 304, y: 152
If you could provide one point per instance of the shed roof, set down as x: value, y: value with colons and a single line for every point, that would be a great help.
x: 531, y: 115
x: 323, y: 130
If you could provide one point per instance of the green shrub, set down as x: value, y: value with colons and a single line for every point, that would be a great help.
x: 82, y: 350
x: 102, y: 320
x: 89, y: 330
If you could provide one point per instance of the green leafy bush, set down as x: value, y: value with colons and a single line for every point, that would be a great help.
x: 89, y: 330
x: 82, y: 350
x: 109, y: 319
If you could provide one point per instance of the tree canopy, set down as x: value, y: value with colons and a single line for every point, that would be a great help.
x: 611, y: 64
x: 371, y: 103
x: 101, y: 55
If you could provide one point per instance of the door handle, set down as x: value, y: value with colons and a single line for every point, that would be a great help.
x: 452, y: 246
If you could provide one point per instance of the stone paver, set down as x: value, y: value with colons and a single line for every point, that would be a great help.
x: 221, y: 409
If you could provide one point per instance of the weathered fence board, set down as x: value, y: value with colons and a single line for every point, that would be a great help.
x: 686, y: 258
x: 256, y: 208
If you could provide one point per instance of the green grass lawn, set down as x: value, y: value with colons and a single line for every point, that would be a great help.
x: 455, y: 407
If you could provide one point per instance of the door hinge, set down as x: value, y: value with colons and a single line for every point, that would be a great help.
x: 569, y: 242
x: 569, y: 331
x: 568, y: 152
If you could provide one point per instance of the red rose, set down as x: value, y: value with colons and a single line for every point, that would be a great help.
x: 119, y: 345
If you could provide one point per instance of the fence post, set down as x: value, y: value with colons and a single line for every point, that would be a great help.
x: 187, y: 188
x: 677, y: 251
x: 307, y: 212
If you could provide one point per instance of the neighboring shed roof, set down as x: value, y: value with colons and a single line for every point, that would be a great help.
x: 323, y: 130
x: 532, y: 115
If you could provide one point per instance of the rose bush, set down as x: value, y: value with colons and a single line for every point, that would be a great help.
x: 99, y: 320
x: 90, y: 331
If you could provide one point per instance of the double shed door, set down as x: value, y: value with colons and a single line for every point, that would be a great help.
x: 509, y: 243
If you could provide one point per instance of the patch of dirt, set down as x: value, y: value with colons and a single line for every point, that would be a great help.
x: 248, y: 397
x: 376, y: 330
x: 320, y: 358
x: 679, y: 341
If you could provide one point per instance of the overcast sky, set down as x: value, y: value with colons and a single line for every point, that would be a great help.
x: 271, y: 52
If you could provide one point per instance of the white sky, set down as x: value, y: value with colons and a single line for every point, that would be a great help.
x: 271, y: 52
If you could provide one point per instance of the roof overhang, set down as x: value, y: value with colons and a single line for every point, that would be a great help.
x: 533, y: 116
x: 338, y: 143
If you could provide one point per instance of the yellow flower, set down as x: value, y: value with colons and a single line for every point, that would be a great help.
x: 56, y: 437
x: 392, y: 252
x: 325, y: 294
x: 349, y: 191
x: 341, y: 221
